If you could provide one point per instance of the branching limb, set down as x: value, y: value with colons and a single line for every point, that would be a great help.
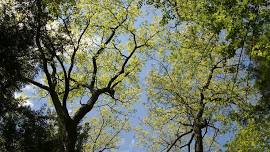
x: 122, y: 70
x: 63, y: 113
x: 94, y: 58
x: 178, y: 138
x: 42, y: 86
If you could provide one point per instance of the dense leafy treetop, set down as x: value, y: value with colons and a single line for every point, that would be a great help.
x: 214, y: 45
x: 210, y: 70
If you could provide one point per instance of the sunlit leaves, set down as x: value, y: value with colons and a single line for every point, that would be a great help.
x: 193, y: 65
x: 252, y: 137
x: 104, y: 131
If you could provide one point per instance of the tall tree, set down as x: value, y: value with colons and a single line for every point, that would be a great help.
x: 233, y: 26
x: 88, y: 55
x: 193, y: 91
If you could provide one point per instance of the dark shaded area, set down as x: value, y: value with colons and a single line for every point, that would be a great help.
x: 16, y: 48
x: 21, y: 128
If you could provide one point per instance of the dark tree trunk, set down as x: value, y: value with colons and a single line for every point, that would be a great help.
x: 198, y: 138
x: 70, y: 135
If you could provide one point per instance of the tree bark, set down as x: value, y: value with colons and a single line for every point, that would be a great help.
x: 70, y: 135
x: 198, y: 138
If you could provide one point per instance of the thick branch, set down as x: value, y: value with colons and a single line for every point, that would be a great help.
x: 67, y: 79
x: 53, y: 94
x: 205, y: 87
x: 42, y: 86
x: 85, y: 108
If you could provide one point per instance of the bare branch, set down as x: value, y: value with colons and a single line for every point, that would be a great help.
x: 205, y: 87
x: 67, y: 80
x: 99, y: 132
x: 122, y: 70
x: 42, y: 86
x: 115, y: 47
x: 178, y: 138
x: 94, y: 73
x: 94, y: 58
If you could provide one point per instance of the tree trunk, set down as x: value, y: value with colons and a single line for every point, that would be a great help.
x: 198, y: 138
x: 70, y: 136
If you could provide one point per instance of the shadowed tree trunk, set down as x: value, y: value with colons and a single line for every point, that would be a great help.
x: 198, y: 138
x: 70, y: 134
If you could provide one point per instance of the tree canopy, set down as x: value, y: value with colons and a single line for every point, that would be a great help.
x: 208, y: 77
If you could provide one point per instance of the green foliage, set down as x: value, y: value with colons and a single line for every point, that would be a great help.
x: 203, y: 64
x: 192, y: 70
x: 253, y: 137
x: 104, y: 130
x: 102, y: 17
x: 89, y: 55
x: 210, y: 70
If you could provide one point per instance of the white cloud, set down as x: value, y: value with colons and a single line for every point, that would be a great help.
x: 28, y: 103
x: 25, y: 98
x: 28, y: 89
x: 70, y: 110
x: 17, y: 95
